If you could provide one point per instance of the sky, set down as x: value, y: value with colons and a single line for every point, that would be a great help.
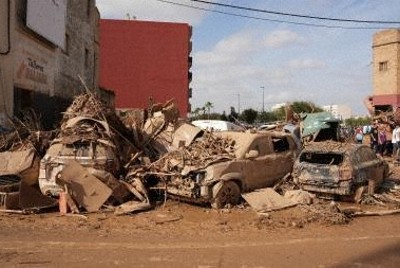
x: 239, y: 59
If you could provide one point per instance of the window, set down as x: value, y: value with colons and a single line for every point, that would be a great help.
x: 280, y: 144
x: 383, y: 66
x: 322, y: 158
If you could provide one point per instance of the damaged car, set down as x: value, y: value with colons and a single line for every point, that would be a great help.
x: 242, y: 162
x: 333, y: 169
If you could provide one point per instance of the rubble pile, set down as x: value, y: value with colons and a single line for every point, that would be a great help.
x: 324, y: 214
x: 22, y: 138
x: 97, y: 160
x: 178, y: 164
x: 388, y: 197
x: 197, y: 155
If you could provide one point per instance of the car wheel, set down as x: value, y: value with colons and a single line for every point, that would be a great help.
x: 224, y: 193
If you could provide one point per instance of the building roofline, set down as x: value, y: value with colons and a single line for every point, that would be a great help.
x: 145, y: 21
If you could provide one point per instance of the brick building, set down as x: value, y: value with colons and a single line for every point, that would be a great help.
x: 146, y: 62
x: 386, y: 69
x: 44, y: 46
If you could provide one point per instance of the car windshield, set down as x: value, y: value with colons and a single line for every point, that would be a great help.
x: 322, y: 158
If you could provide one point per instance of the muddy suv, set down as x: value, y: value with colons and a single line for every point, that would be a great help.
x: 85, y: 140
x: 333, y: 169
x: 260, y: 160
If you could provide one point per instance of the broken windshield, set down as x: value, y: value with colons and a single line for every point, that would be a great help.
x: 321, y: 158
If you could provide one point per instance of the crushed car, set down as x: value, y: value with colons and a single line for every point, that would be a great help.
x: 93, y: 140
x: 217, y: 168
x: 333, y: 169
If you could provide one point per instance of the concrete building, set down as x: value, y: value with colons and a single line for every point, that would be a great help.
x: 341, y: 112
x: 44, y: 46
x: 146, y: 62
x: 386, y: 69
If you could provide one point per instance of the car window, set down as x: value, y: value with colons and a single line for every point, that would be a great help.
x: 322, y: 158
x: 280, y: 144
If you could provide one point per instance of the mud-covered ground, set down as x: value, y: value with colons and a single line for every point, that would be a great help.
x: 176, y: 234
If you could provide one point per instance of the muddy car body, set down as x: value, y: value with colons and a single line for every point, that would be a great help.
x: 260, y: 160
x: 338, y: 169
x: 87, y: 149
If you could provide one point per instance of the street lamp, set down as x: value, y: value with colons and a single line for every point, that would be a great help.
x: 263, y: 107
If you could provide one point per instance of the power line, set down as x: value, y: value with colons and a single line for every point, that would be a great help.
x: 295, y: 15
x: 271, y: 20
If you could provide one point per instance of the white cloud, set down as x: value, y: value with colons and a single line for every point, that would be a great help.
x: 306, y: 64
x: 283, y: 38
x: 149, y: 10
x: 232, y: 67
x: 232, y: 49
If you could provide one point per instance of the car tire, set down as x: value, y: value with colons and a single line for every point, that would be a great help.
x: 224, y: 193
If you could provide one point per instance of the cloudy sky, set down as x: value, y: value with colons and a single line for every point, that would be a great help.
x: 240, y: 54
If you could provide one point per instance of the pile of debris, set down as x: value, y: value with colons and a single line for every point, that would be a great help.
x: 96, y: 160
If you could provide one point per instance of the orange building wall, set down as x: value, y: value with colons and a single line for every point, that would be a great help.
x: 140, y: 60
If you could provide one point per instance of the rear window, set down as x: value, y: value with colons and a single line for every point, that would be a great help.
x: 321, y: 158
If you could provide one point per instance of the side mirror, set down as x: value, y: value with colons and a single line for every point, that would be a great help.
x: 252, y: 154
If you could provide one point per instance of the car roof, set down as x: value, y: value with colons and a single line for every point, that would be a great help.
x: 244, y: 139
x: 332, y: 147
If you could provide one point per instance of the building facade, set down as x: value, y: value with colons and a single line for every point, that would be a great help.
x: 46, y: 48
x: 146, y: 62
x: 341, y: 112
x: 386, y: 69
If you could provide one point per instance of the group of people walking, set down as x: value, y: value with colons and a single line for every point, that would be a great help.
x: 383, y: 138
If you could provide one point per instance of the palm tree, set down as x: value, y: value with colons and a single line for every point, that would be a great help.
x: 208, y: 107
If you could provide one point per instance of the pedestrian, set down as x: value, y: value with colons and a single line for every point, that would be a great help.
x: 398, y: 142
x: 374, y: 137
x: 381, y: 139
x: 395, y: 142
x: 388, y: 148
x: 359, y: 135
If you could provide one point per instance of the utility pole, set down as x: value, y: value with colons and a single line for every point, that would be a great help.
x: 263, y: 107
x: 238, y: 103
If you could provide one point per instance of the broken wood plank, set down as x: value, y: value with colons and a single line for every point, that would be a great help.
x: 88, y: 191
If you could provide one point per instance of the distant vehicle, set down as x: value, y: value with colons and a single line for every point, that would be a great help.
x: 217, y: 125
x: 338, y: 169
x: 261, y: 159
x: 267, y: 127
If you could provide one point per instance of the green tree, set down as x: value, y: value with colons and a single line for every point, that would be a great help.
x: 249, y: 115
x: 233, y: 116
x: 305, y: 107
x: 358, y: 121
x: 196, y: 113
x: 223, y: 116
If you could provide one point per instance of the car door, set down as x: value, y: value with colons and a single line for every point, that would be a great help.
x: 265, y: 169
x: 284, y: 149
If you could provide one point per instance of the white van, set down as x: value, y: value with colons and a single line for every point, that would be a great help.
x: 217, y: 125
